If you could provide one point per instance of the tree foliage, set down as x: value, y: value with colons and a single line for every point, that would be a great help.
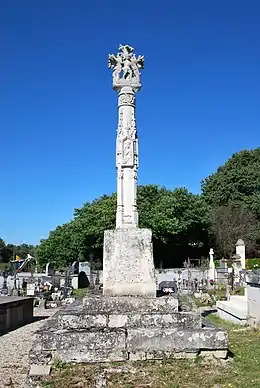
x: 231, y: 222
x: 9, y: 251
x: 237, y: 181
x: 233, y: 192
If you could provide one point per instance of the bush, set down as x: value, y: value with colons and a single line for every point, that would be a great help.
x: 218, y: 263
x: 238, y: 291
x: 252, y: 263
x: 80, y: 293
x: 4, y: 266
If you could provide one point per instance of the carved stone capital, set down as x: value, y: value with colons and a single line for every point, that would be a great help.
x: 126, y: 99
x: 126, y: 68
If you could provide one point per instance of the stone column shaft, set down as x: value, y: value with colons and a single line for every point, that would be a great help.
x: 127, y: 160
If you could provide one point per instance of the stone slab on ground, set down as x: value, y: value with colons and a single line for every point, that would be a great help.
x: 39, y: 370
x: 233, y: 310
x: 128, y: 266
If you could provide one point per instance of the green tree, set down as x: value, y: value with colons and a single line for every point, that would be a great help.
x: 231, y: 222
x: 179, y: 222
x: 233, y: 192
x: 58, y: 248
x: 90, y: 222
x: 2, y: 251
x: 23, y: 250
x: 237, y: 181
x: 6, y: 252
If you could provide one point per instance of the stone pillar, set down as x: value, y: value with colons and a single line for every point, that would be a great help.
x: 128, y: 268
x: 211, y: 270
x: 241, y: 251
x: 126, y: 160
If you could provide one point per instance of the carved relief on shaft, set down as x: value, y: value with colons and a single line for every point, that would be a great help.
x: 126, y: 80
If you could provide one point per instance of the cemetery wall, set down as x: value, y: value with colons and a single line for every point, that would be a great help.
x: 15, y: 312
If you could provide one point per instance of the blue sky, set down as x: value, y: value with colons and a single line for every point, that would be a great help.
x: 58, y: 112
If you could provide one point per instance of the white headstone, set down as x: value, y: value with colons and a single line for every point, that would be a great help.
x: 75, y: 282
x: 75, y: 268
x: 84, y: 267
x: 241, y: 251
x: 49, y: 270
x: 30, y: 289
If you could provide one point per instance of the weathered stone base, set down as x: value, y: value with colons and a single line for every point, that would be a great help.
x: 135, y: 344
x: 120, y: 305
x: 128, y: 267
x: 119, y: 329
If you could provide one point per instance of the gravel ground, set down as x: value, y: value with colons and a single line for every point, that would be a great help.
x: 14, y: 350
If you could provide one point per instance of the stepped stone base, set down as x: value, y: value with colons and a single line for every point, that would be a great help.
x: 128, y: 267
x: 105, y: 329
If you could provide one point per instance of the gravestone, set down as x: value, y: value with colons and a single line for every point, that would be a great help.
x: 49, y: 270
x: 30, y: 289
x: 74, y: 275
x: 75, y: 268
x: 84, y: 266
x: 241, y: 251
x: 237, y: 268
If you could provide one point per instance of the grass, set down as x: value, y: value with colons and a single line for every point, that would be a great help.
x: 241, y: 371
x: 80, y: 293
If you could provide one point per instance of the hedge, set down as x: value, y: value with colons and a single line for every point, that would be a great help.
x: 253, y: 263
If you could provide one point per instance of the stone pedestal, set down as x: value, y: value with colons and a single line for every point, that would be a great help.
x: 111, y: 329
x: 128, y: 267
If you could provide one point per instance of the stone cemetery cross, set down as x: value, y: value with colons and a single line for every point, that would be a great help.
x: 126, y: 81
x: 128, y: 268
x: 128, y: 322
